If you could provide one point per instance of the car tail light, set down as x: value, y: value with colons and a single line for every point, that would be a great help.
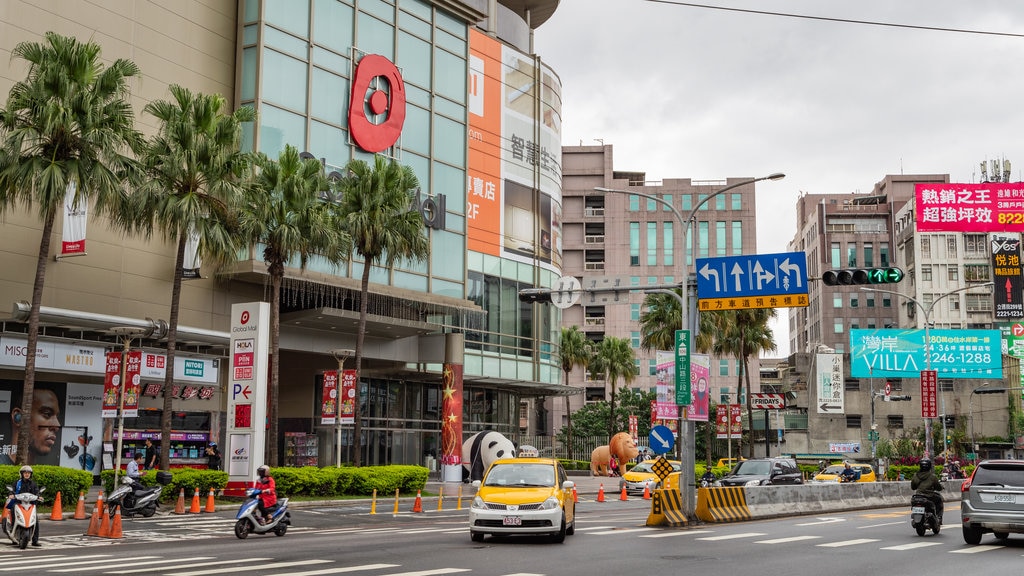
x: 967, y: 483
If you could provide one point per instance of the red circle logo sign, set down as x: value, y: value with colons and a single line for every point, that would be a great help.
x: 245, y: 317
x: 377, y: 88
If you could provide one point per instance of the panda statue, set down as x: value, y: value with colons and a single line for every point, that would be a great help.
x: 482, y: 448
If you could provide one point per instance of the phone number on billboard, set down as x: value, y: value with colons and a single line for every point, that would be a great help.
x: 1011, y: 217
x: 978, y: 358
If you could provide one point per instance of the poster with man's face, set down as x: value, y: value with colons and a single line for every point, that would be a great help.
x: 80, y: 444
x: 43, y: 424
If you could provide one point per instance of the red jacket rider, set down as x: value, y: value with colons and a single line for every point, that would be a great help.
x: 268, y: 491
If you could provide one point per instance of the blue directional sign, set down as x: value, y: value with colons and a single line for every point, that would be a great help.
x: 752, y: 275
x: 661, y: 440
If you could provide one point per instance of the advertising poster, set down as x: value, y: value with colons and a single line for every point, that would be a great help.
x: 44, y: 426
x: 80, y: 445
x: 665, y: 407
x: 726, y: 415
x: 1006, y: 275
x: 700, y: 376
x: 329, y: 399
x: 111, y: 384
x: 900, y: 353
x: 133, y: 384
x: 347, y: 402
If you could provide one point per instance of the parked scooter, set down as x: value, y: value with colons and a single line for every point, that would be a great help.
x: 20, y: 526
x: 248, y: 512
x: 135, y: 499
x: 923, y: 515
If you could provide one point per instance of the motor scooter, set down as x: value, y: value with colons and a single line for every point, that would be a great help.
x: 247, y: 523
x: 135, y: 499
x: 21, y: 525
x: 923, y: 515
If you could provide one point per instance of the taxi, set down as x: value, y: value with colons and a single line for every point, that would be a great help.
x: 642, y: 475
x: 523, y: 496
x: 831, y: 473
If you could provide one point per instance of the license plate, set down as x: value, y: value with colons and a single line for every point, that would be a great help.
x: 511, y: 521
x: 917, y: 510
x: 1010, y: 498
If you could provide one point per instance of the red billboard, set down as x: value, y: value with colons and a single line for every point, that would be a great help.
x: 988, y: 207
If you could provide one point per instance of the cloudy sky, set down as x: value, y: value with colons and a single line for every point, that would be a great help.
x: 684, y: 91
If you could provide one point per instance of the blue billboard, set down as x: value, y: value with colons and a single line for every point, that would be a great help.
x: 900, y: 353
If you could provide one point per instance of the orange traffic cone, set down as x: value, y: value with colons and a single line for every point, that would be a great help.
x: 97, y: 513
x: 418, y: 505
x: 623, y: 495
x: 104, y: 531
x: 600, y: 493
x: 575, y: 495
x: 179, y: 508
x: 58, y: 512
x: 209, y: 502
x: 80, y: 508
x: 194, y: 509
x: 647, y: 491
x: 115, y: 524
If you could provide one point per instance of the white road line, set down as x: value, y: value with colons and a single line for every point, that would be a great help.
x: 70, y: 562
x: 247, y: 568
x: 880, y: 525
x: 733, y: 536
x: 976, y: 549
x: 622, y: 531
x: 848, y: 543
x: 340, y: 570
x: 911, y: 546
x: 132, y: 571
x: 588, y: 528
x: 134, y: 563
x: 431, y: 572
x: 822, y: 521
x: 45, y: 559
x: 784, y: 540
x: 676, y: 533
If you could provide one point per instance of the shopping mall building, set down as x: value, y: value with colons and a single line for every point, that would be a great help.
x: 481, y: 130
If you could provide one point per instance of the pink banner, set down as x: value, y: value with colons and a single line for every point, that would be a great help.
x: 451, y: 411
x: 111, y: 383
x: 990, y: 207
x: 700, y: 376
x: 76, y: 217
x: 133, y: 383
x: 329, y: 399
x: 347, y: 405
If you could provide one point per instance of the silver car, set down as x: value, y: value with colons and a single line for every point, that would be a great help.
x: 992, y: 500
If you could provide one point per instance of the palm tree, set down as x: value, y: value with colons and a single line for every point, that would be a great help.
x: 286, y: 211
x: 68, y: 123
x: 194, y: 169
x: 659, y: 321
x: 744, y: 335
x: 614, y: 358
x: 377, y: 207
x: 574, y: 350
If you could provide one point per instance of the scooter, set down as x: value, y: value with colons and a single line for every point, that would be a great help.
x: 280, y: 517
x: 20, y: 526
x: 134, y: 499
x: 922, y: 514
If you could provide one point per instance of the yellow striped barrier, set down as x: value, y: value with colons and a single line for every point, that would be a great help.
x: 666, y: 508
x: 725, y: 504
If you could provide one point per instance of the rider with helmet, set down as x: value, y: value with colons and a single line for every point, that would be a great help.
x: 24, y: 484
x: 268, y: 493
x: 927, y: 483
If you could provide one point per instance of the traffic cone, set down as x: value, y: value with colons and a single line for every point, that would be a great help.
x: 115, y: 525
x: 80, y: 508
x: 600, y: 493
x: 194, y: 509
x: 58, y: 512
x: 575, y: 496
x: 647, y: 491
x: 104, y: 531
x: 418, y: 505
x: 179, y: 508
x: 210, y: 506
x: 623, y: 495
x: 97, y: 513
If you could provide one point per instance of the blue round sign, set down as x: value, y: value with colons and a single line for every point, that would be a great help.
x: 661, y: 440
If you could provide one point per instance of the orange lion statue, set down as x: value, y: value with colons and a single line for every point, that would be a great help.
x: 621, y: 446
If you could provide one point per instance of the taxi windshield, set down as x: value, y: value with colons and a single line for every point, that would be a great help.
x: 520, y: 475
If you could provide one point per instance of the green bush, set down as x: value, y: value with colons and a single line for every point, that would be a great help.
x: 349, y: 481
x: 188, y: 479
x: 68, y: 481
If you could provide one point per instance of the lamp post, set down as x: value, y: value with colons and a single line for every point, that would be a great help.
x: 688, y: 476
x: 127, y: 334
x: 339, y: 354
x: 927, y: 312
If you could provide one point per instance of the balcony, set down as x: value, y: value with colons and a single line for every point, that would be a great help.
x: 593, y: 266
x: 593, y: 322
x: 593, y: 239
x: 590, y: 212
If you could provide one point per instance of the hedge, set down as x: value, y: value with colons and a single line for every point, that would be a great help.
x: 68, y: 481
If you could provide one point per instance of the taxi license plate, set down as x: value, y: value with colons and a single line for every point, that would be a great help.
x: 1010, y: 498
x: 917, y: 510
x: 511, y: 521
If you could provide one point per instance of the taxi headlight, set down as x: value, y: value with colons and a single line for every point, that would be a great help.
x: 550, y: 504
x: 478, y: 503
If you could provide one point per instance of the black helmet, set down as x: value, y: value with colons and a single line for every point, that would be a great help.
x: 926, y: 464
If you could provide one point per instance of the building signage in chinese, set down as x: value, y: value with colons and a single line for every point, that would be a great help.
x: 1006, y: 274
x: 988, y: 207
x: 929, y: 391
x: 900, y: 353
x: 829, y: 377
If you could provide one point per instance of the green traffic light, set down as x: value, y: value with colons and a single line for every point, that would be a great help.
x: 885, y: 275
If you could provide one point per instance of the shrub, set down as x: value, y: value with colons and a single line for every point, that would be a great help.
x: 68, y: 481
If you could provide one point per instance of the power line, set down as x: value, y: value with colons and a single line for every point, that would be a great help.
x: 842, y: 20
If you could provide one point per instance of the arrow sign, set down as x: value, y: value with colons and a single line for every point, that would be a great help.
x: 661, y: 439
x: 707, y: 272
x: 753, y: 275
x: 830, y: 408
x: 737, y: 273
x: 792, y: 271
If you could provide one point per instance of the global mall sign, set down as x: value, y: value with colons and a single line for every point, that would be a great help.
x: 377, y: 90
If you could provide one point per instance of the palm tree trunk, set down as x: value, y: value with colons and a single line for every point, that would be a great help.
x: 568, y: 423
x: 29, y: 386
x: 275, y: 364
x: 364, y: 291
x: 750, y: 409
x: 611, y: 417
x: 172, y: 344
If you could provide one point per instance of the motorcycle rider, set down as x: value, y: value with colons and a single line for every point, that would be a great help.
x: 927, y: 483
x: 24, y: 484
x: 708, y: 479
x: 848, y: 474
x: 268, y: 494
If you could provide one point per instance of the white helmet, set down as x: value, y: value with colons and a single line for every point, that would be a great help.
x: 263, y: 470
x: 25, y: 468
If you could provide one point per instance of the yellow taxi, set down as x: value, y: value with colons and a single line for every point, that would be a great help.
x: 730, y: 462
x: 643, y: 475
x: 523, y: 496
x: 832, y: 473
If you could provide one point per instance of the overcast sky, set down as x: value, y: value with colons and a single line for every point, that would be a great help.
x: 696, y: 92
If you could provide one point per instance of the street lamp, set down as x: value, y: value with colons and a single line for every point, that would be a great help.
x: 686, y: 432
x: 339, y: 354
x: 127, y: 334
x: 927, y: 312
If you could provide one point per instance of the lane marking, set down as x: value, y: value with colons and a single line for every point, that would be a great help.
x: 848, y: 543
x: 784, y: 540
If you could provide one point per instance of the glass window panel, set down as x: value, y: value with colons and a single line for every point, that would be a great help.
x: 737, y: 237
x: 450, y: 42
x: 328, y: 142
x: 720, y: 246
x: 248, y: 87
x: 285, y: 42
x: 869, y: 255
x: 455, y: 223
x: 720, y: 202
x: 416, y: 130
x: 445, y: 288
x: 669, y: 244
x: 414, y: 25
x: 634, y: 203
x: 450, y: 73
x: 687, y: 201
x: 666, y: 206
x: 702, y: 246
x: 634, y: 243
x: 329, y: 60
x: 451, y: 24
x: 411, y: 281
x: 384, y: 11
x: 421, y: 167
x: 701, y: 201
x: 252, y: 10
x: 447, y: 255
x: 450, y: 142
x: 418, y: 96
x: 250, y: 35
x: 332, y: 26
x: 284, y: 81
x: 375, y: 37
x: 330, y: 97
x: 279, y: 127
x: 652, y: 204
x: 453, y: 110
x: 451, y: 182
x: 290, y: 15
x: 417, y: 7
x: 737, y: 201
x: 414, y: 59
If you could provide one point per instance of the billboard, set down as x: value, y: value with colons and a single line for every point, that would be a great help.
x: 900, y: 353
x: 988, y: 207
x: 1006, y: 274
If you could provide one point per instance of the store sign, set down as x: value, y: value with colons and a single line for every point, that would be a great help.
x: 203, y: 370
x: 376, y: 111
x: 900, y: 353
x: 247, y: 392
x: 61, y: 356
x: 153, y: 389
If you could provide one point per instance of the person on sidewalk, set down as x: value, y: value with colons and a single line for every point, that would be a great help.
x: 213, y: 457
x: 24, y: 484
x: 152, y: 452
x: 268, y: 494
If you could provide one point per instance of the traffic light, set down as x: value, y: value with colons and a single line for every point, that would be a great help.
x: 537, y: 295
x: 862, y: 276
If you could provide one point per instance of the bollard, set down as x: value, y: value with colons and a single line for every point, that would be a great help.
x: 396, y: 502
x: 440, y: 498
x: 459, y: 506
x: 373, y: 502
